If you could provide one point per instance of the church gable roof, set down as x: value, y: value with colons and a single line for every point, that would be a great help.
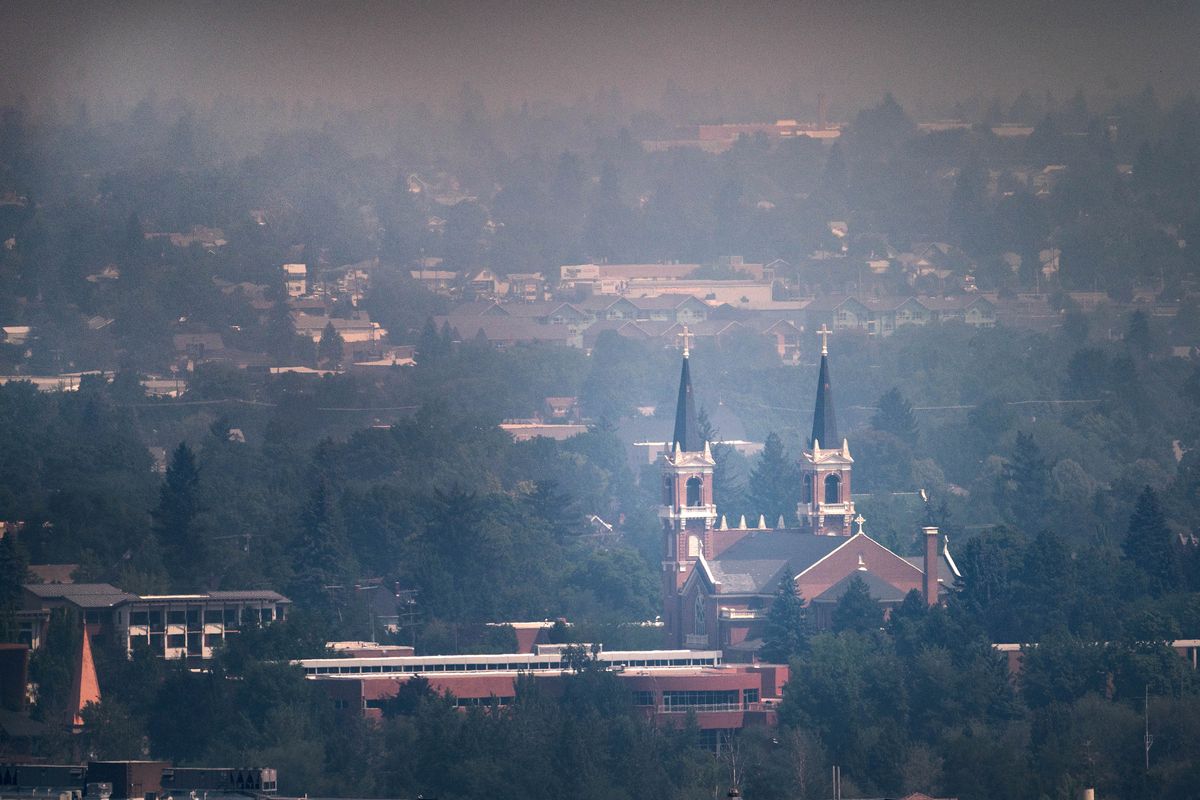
x: 881, y: 591
x: 758, y: 561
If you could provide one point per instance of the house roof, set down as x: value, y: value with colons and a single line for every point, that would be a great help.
x: 507, y: 329
x: 84, y: 595
x: 881, y: 591
x: 664, y: 302
x: 757, y: 562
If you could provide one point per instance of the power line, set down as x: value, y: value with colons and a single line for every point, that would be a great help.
x: 258, y: 403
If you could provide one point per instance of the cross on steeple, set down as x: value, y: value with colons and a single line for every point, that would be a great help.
x: 687, y: 337
x: 824, y: 334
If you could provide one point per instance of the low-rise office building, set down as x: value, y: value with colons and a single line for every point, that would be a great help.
x: 171, y: 626
x: 665, y: 685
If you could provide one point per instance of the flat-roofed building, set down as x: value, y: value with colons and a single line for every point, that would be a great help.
x: 171, y: 626
x: 667, y: 685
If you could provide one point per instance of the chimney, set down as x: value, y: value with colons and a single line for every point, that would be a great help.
x: 931, y: 566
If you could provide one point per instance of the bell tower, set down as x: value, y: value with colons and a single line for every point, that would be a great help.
x: 826, y: 507
x: 688, y: 512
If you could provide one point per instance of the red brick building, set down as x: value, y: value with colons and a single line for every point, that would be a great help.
x: 718, y: 582
x: 665, y: 685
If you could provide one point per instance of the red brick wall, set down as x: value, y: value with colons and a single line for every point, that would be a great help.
x: 844, y: 561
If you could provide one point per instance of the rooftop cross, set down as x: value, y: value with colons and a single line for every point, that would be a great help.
x: 859, y: 519
x: 824, y: 334
x: 686, y: 336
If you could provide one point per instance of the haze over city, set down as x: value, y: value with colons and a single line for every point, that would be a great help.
x: 527, y: 401
x: 927, y: 53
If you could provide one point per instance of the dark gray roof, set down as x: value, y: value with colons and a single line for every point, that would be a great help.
x: 757, y: 562
x: 687, y: 424
x: 881, y: 591
x: 249, y: 594
x: 824, y: 428
x: 84, y: 595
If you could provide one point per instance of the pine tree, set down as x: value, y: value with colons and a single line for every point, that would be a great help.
x: 330, y: 348
x: 185, y: 548
x: 774, y: 483
x: 856, y: 610
x: 1148, y: 543
x: 14, y: 566
x: 319, y: 560
x: 786, y: 630
x: 894, y: 415
x: 1024, y: 494
x: 729, y: 490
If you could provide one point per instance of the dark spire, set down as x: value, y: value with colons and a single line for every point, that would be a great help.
x: 824, y: 429
x: 687, y: 424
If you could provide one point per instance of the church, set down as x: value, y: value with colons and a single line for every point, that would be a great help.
x: 718, y: 581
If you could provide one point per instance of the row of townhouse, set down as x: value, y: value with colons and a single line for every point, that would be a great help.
x: 580, y: 324
x: 884, y: 316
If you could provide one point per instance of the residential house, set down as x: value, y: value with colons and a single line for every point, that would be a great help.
x: 486, y: 283
x: 527, y: 286
x: 295, y: 279
x: 439, y: 281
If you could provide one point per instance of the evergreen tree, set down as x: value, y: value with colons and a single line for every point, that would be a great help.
x: 856, y: 610
x: 729, y: 488
x: 894, y: 415
x: 774, y: 483
x: 14, y: 566
x: 185, y: 548
x: 785, y: 634
x: 1024, y: 492
x: 1148, y: 543
x: 319, y: 560
x: 330, y: 348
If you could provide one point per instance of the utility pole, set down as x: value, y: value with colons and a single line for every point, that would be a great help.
x: 1147, y: 738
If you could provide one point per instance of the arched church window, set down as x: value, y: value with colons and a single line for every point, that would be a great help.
x: 833, y: 489
x: 668, y: 491
x: 808, y: 493
x: 693, y: 491
x: 698, y: 622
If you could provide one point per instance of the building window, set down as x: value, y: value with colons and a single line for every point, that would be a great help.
x: 833, y: 489
x: 139, y: 618
x: 176, y: 617
x: 668, y: 491
x: 749, y: 696
x: 212, y: 639
x: 701, y: 700
x: 808, y: 493
x: 694, y: 549
x: 693, y: 492
x: 212, y: 616
x: 176, y: 640
x: 699, y: 626
x: 643, y: 698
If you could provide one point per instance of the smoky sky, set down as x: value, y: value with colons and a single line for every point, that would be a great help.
x: 522, y: 50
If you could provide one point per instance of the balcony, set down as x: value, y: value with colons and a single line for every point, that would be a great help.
x: 699, y: 708
x: 696, y: 641
x: 688, y: 512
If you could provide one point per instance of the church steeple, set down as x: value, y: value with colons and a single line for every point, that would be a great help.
x: 687, y: 423
x: 688, y: 511
x: 826, y: 506
x: 824, y: 427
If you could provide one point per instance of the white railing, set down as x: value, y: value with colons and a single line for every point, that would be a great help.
x: 683, y: 709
